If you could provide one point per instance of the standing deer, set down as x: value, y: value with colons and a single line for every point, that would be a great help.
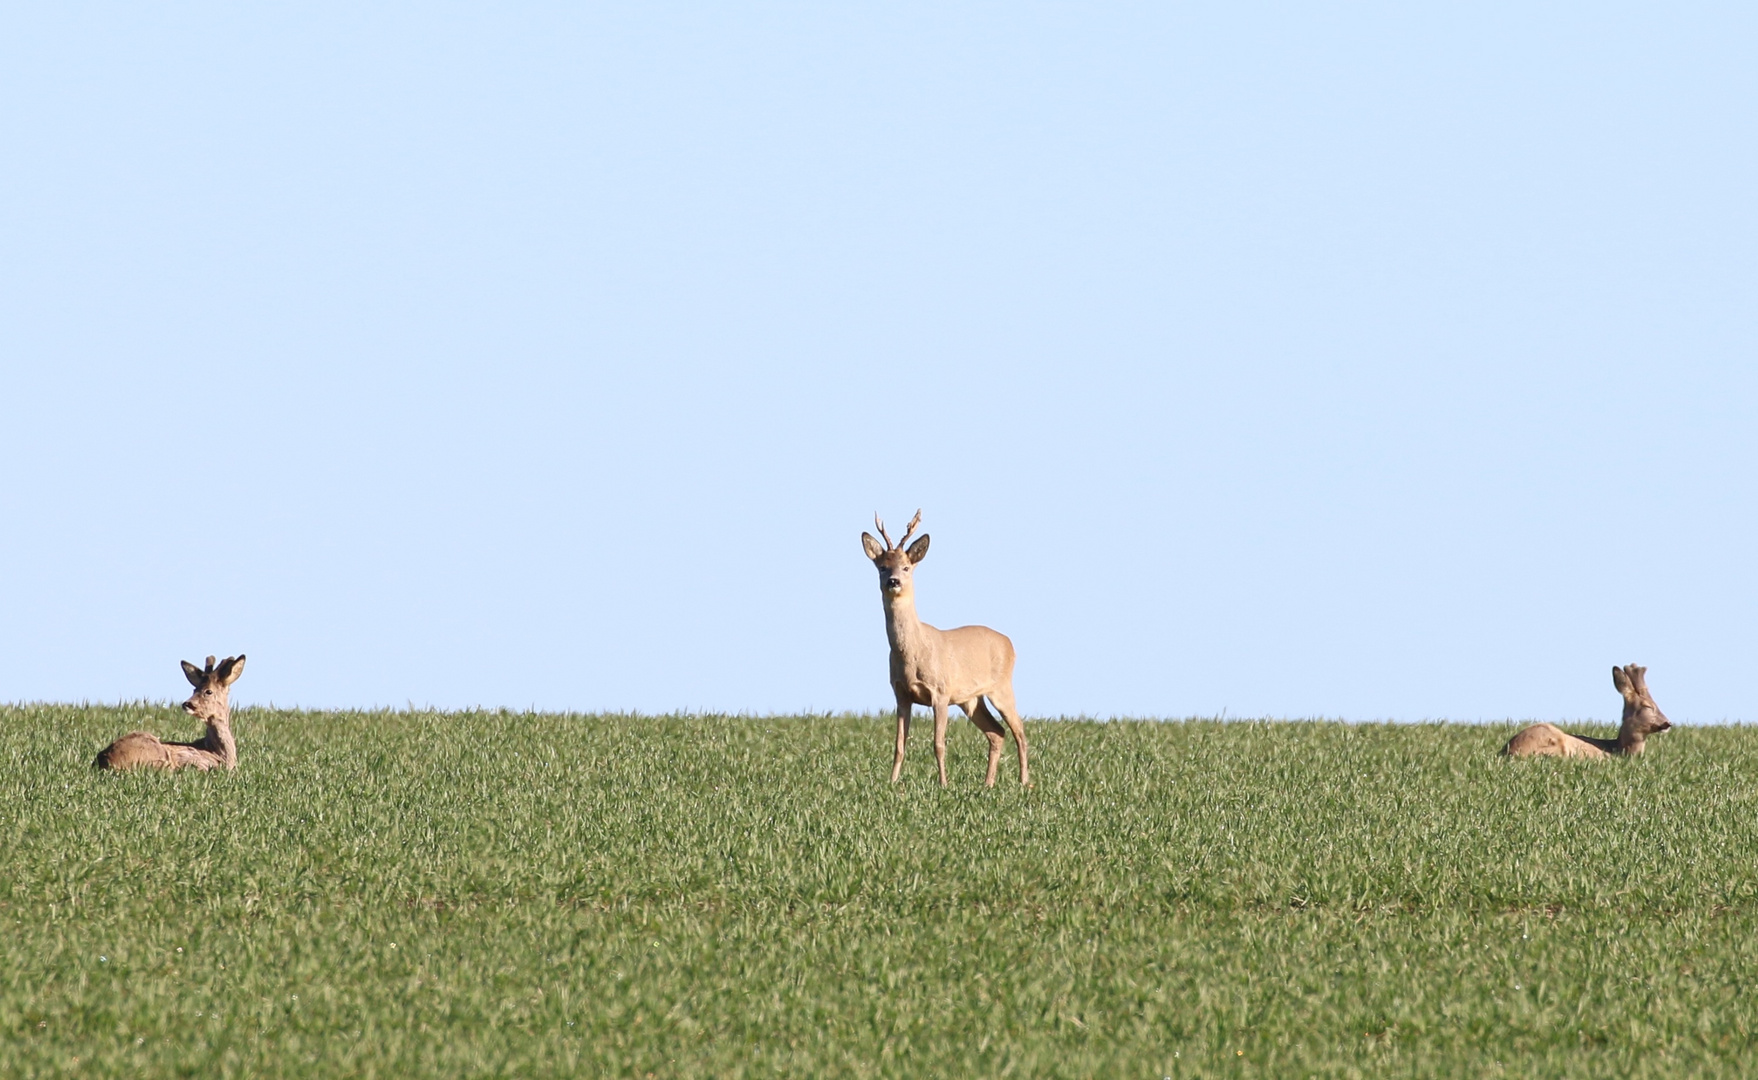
x: 942, y: 668
x: 215, y: 750
x: 1642, y: 718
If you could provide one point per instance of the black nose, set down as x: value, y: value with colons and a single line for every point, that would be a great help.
x: 189, y: 706
x: 893, y: 582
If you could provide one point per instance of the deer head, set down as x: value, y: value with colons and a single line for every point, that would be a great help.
x: 894, y: 561
x: 1642, y: 717
x: 213, y: 685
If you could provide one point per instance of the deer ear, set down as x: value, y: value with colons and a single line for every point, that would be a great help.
x: 1622, y: 682
x: 871, y: 546
x: 1638, y: 678
x: 192, y: 673
x: 918, y: 550
x: 229, y: 669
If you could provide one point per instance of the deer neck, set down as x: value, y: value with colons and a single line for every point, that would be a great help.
x: 902, y: 628
x: 219, y: 740
x: 1630, y: 741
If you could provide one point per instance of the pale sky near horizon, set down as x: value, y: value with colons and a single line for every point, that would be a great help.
x: 1365, y: 361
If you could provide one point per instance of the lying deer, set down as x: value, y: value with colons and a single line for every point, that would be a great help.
x: 941, y: 668
x: 1642, y: 718
x: 215, y: 750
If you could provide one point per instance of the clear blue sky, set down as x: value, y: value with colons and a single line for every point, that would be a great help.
x: 1373, y: 360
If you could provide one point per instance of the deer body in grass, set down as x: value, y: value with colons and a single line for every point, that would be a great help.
x: 216, y: 749
x: 1642, y: 718
x: 970, y: 666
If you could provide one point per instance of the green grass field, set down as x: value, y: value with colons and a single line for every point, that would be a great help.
x: 426, y: 894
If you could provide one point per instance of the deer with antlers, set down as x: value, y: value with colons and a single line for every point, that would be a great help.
x: 216, y: 749
x: 942, y: 668
x: 1642, y: 718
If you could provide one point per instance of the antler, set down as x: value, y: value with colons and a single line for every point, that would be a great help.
x: 880, y: 525
x: 917, y: 520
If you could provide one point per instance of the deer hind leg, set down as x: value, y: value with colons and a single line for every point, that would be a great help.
x: 941, y: 709
x: 1002, y: 699
x: 903, y: 736
x: 992, y: 731
x: 137, y: 749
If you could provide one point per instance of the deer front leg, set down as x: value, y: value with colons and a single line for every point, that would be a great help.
x: 903, y: 735
x: 940, y: 711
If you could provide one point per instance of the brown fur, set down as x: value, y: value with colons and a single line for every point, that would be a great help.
x: 216, y: 749
x: 942, y: 668
x: 1642, y: 718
